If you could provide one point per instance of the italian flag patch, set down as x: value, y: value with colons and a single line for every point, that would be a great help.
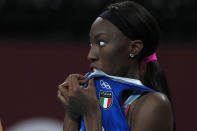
x: 105, y: 99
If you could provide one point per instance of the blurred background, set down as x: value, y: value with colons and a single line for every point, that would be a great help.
x: 42, y: 41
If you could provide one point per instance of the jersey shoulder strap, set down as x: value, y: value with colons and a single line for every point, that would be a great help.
x: 135, y: 95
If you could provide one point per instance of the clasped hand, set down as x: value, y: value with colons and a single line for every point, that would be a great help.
x: 77, y: 100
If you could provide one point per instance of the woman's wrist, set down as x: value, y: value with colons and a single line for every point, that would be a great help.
x: 70, y: 124
x: 93, y: 120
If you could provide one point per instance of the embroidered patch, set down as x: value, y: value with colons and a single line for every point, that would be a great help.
x: 105, y: 99
x: 104, y: 84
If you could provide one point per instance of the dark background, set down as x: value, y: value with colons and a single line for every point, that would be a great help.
x: 42, y: 41
x: 64, y: 20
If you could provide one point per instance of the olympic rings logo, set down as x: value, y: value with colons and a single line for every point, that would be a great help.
x: 104, y: 84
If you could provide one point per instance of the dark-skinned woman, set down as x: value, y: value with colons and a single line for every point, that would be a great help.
x: 118, y: 94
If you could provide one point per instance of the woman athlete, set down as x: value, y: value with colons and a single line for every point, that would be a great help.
x: 123, y: 42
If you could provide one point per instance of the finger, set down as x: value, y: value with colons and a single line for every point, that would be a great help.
x: 61, y: 98
x: 74, y: 83
x: 63, y: 88
x: 80, y: 77
x: 91, y: 84
x: 63, y: 91
x: 64, y: 84
x: 81, y: 82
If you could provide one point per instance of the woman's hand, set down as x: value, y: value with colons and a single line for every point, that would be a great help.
x: 78, y: 101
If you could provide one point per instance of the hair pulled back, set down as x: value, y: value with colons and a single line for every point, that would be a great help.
x: 144, y: 27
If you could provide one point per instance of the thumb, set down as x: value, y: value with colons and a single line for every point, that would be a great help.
x: 91, y: 84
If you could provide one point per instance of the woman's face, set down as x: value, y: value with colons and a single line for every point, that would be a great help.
x: 109, y: 50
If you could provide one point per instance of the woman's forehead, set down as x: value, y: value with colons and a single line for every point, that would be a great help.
x: 102, y: 26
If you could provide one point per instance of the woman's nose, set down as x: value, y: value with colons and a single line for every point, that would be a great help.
x: 93, y: 53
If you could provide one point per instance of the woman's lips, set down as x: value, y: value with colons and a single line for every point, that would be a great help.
x: 93, y: 67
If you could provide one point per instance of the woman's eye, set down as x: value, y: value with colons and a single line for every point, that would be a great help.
x: 102, y: 43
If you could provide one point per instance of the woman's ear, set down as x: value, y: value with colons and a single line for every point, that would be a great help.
x: 135, y: 47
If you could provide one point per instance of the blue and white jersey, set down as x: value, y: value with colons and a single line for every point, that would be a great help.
x: 109, y: 89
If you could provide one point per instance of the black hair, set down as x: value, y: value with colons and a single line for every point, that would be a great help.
x: 144, y: 27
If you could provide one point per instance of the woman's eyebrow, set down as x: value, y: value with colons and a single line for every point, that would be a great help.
x: 97, y: 36
x: 100, y: 34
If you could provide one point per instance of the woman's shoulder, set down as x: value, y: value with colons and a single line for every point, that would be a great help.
x: 152, y: 111
x: 156, y: 98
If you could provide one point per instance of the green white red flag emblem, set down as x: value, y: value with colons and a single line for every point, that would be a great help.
x: 105, y: 99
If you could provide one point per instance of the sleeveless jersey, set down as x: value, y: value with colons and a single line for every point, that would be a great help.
x: 109, y: 89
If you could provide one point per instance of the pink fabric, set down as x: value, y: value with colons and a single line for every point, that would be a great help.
x: 127, y: 110
x: 150, y: 58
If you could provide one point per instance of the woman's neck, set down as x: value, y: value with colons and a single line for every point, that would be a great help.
x: 134, y: 72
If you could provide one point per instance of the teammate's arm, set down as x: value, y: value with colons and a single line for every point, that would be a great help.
x: 1, y: 128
